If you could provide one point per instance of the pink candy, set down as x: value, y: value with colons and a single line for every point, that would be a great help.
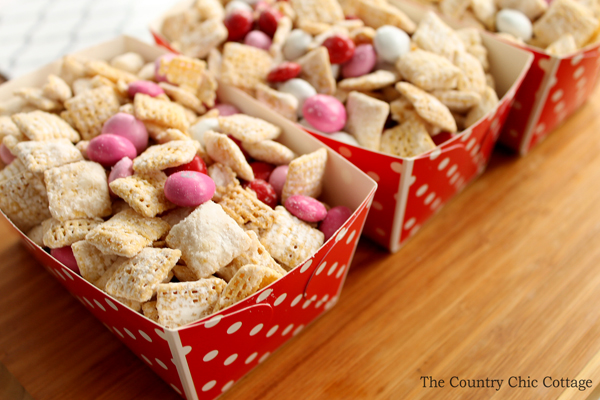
x: 258, y: 39
x: 362, y: 62
x: 306, y: 208
x: 325, y: 113
x: 145, y: 87
x: 122, y: 169
x: 336, y: 217
x: 5, y: 155
x: 129, y: 127
x: 226, y: 109
x: 189, y: 188
x: 157, y: 75
x: 107, y: 149
x: 65, y: 256
x: 277, y: 178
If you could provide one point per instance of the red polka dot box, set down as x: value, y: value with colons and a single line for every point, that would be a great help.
x: 204, y: 359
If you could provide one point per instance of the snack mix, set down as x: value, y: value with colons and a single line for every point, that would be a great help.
x: 360, y: 71
x: 134, y: 177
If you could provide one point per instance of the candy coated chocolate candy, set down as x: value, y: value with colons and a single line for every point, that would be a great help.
x: 5, y: 154
x: 277, y: 178
x: 325, y: 113
x: 226, y: 109
x: 129, y: 127
x: 306, y: 208
x: 206, y: 124
x: 284, y: 72
x: 362, y: 62
x: 262, y: 170
x: 515, y: 23
x: 300, y: 89
x: 340, y: 48
x: 66, y: 257
x: 189, y: 188
x: 145, y: 87
x: 296, y: 45
x: 391, y: 43
x: 238, y: 23
x: 237, y: 5
x: 157, y: 76
x: 264, y: 191
x: 336, y: 217
x: 107, y: 149
x: 258, y: 39
x: 197, y: 164
x: 122, y: 169
x: 267, y: 20
x: 344, y: 137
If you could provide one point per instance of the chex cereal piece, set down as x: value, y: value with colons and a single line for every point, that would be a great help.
x: 248, y: 129
x: 91, y: 262
x: 244, y: 207
x: 209, y: 9
x: 162, y: 135
x: 214, y: 62
x: 168, y: 155
x: 485, y: 11
x: 36, y: 235
x: 454, y: 8
x: 290, y: 240
x: 208, y: 239
x: 256, y: 254
x: 270, y: 151
x: 375, y: 15
x: 183, y: 71
x: 149, y: 310
x: 311, y: 27
x: 90, y: 109
x: 174, y: 26
x: 72, y: 68
x: 77, y: 190
x: 144, y: 192
x: 434, y: 35
x: 177, y: 215
x: 82, y: 146
x: 489, y: 100
x: 428, y: 107
x: 409, y: 139
x: 225, y: 179
x: 130, y: 62
x: 10, y: 142
x: 207, y: 92
x: 325, y: 11
x: 457, y: 100
x: 60, y: 234
x: 40, y: 156
x: 366, y: 118
x: 316, y: 70
x: 531, y: 8
x: 40, y: 125
x: 401, y: 109
x: 565, y: 16
x: 22, y: 196
x: 110, y: 271
x: 373, y: 81
x: 183, y: 96
x: 428, y: 71
x: 305, y: 175
x: 284, y: 27
x: 56, y: 89
x: 247, y: 281
x: 9, y: 128
x: 473, y: 75
x: 138, y: 278
x: 127, y: 233
x: 280, y: 102
x: 184, y: 274
x: 35, y: 97
x: 224, y: 150
x: 469, y: 36
x: 160, y: 112
x: 203, y: 37
x: 99, y: 67
x: 81, y: 85
x: 184, y: 302
x: 244, y: 66
x: 127, y: 108
x: 562, y: 46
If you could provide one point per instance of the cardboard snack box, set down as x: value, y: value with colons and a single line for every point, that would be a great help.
x: 203, y: 359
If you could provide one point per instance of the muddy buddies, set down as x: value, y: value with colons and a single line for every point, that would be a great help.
x: 134, y: 176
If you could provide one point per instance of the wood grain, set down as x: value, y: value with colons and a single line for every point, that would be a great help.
x: 504, y: 282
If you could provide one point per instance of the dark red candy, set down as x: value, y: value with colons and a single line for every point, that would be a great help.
x: 267, y: 21
x: 283, y: 72
x: 264, y: 191
x: 340, y: 48
x: 238, y: 23
x: 197, y: 164
x: 262, y: 170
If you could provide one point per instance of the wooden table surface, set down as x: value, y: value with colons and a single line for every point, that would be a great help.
x: 504, y: 282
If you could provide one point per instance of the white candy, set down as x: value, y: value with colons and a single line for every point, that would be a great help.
x: 345, y: 138
x: 237, y: 5
x: 514, y: 23
x: 391, y: 43
x: 206, y: 124
x: 300, y: 89
x: 130, y: 62
x: 296, y: 44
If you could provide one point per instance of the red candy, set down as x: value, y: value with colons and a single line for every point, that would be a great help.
x: 65, y: 256
x: 262, y: 170
x: 283, y: 72
x: 340, y: 48
x: 264, y: 192
x: 336, y: 217
x: 238, y: 23
x: 267, y: 21
x: 197, y: 164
